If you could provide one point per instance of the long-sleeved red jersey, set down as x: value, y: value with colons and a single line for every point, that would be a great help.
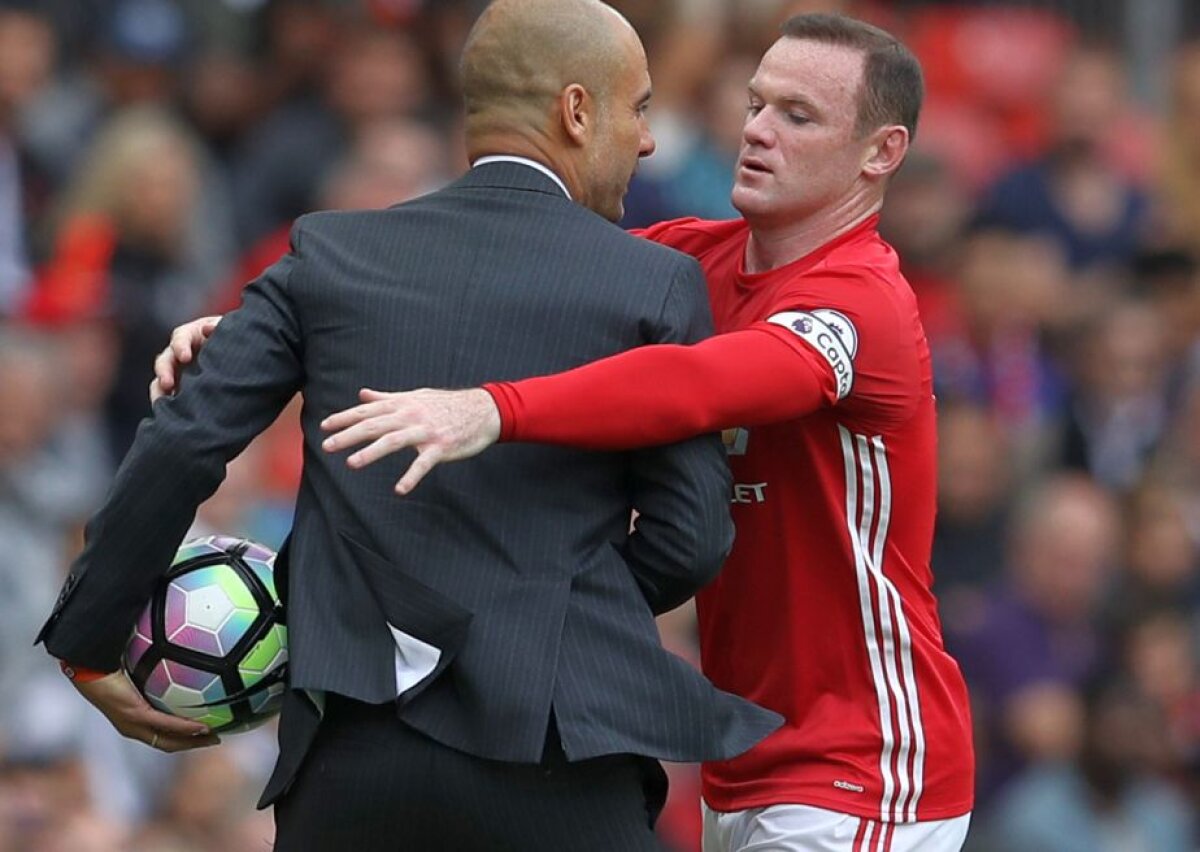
x: 824, y: 611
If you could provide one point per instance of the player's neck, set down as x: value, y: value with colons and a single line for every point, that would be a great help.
x: 774, y: 244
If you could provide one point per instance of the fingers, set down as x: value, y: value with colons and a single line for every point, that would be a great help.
x: 341, y: 420
x: 164, y: 374
x: 172, y: 743
x: 169, y: 733
x: 186, y: 342
x: 129, y: 712
x: 425, y: 461
x: 389, y: 442
x: 168, y: 725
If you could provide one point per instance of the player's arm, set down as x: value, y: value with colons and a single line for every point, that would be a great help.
x: 766, y: 373
x: 780, y: 369
x: 245, y: 376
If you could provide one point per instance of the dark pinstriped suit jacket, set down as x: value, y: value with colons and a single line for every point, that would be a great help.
x: 516, y: 565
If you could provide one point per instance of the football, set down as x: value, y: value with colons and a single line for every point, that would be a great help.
x: 211, y: 644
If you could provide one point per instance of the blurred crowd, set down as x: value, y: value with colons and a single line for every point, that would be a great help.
x: 154, y: 152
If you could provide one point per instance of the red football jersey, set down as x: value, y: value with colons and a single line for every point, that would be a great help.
x: 824, y: 610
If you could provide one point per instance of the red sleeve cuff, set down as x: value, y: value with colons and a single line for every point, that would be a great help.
x: 507, y: 400
x: 78, y: 674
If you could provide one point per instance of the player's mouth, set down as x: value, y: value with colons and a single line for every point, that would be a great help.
x: 753, y: 165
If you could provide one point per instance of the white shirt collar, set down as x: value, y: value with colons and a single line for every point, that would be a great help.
x: 524, y: 161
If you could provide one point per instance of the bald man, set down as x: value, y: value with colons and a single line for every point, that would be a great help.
x: 479, y: 668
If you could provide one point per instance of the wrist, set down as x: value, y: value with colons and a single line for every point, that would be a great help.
x: 505, y: 399
x: 79, y: 674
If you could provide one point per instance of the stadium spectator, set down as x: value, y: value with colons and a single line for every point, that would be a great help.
x: 137, y: 51
x: 1036, y: 637
x: 372, y: 75
x: 27, y: 47
x: 1161, y: 662
x: 1012, y: 291
x: 925, y: 219
x: 1160, y: 570
x: 1178, y: 173
x: 392, y: 161
x: 136, y: 246
x: 975, y: 484
x: 1110, y: 799
x: 33, y: 527
x: 1074, y: 194
x: 1117, y: 413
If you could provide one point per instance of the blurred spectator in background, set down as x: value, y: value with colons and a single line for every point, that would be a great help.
x: 1163, y: 664
x: 1179, y: 163
x: 1110, y: 800
x: 1177, y: 463
x: 696, y: 175
x: 1074, y: 193
x: 1117, y: 413
x: 392, y: 161
x: 974, y: 489
x: 1011, y: 290
x: 208, y: 808
x: 135, y: 245
x: 44, y: 806
x: 1036, y: 637
x: 34, y: 524
x: 27, y: 53
x: 1161, y: 571
x: 134, y: 59
x: 1168, y: 280
x: 372, y: 75
x: 926, y: 219
x: 298, y: 37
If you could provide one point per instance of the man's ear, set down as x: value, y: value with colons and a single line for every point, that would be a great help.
x: 886, y: 152
x: 577, y: 112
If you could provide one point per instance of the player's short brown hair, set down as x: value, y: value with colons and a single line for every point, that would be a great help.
x: 893, y: 86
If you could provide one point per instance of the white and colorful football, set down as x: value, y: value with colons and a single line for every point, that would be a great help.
x: 211, y: 644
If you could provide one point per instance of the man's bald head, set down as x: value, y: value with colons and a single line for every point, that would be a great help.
x: 522, y: 53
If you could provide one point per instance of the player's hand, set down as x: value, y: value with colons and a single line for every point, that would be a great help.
x: 116, y: 697
x: 186, y: 342
x: 441, y: 425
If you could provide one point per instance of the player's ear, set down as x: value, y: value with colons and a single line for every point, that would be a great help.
x: 576, y: 109
x: 886, y: 151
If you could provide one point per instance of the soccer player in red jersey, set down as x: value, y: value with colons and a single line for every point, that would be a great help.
x: 820, y: 373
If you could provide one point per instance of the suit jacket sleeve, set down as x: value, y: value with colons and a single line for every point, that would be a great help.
x: 681, y: 491
x: 243, y: 378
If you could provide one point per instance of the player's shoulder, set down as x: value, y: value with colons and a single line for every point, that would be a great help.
x: 856, y: 293
x: 691, y: 235
x: 867, y: 258
x: 863, y: 275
